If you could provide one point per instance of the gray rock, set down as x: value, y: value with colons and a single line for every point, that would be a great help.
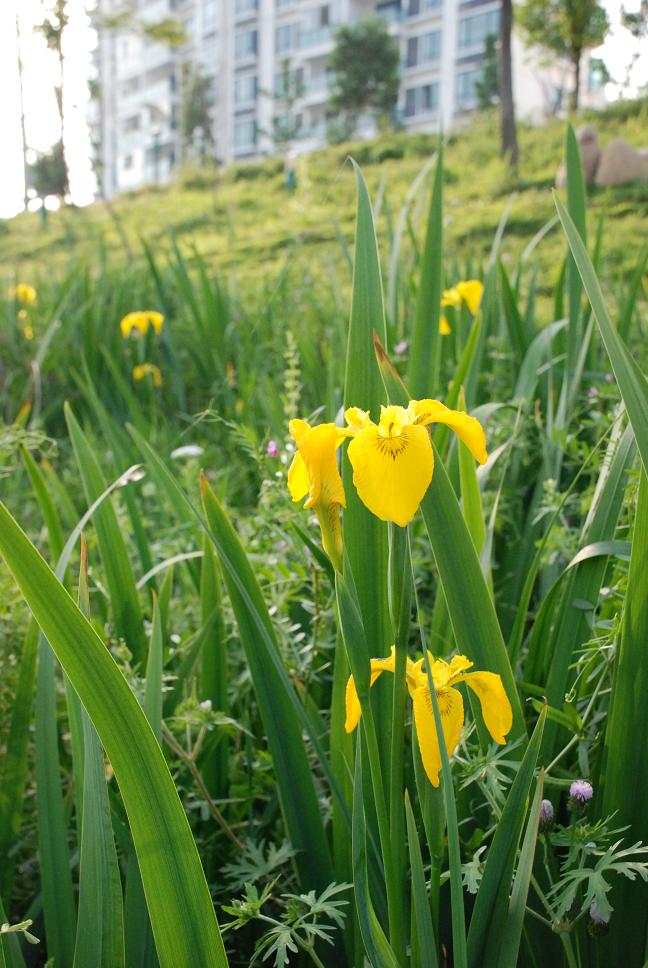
x: 620, y: 163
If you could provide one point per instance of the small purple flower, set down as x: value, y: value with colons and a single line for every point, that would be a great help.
x: 592, y: 392
x: 608, y: 378
x: 273, y: 450
x: 400, y: 348
x: 580, y: 792
x: 546, y: 815
x: 598, y: 924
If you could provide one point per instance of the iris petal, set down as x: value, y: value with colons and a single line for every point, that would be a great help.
x: 391, y: 474
x: 452, y: 718
x: 353, y: 708
x: 495, y: 705
x: 468, y: 429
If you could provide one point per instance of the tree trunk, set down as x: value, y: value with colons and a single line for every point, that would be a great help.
x: 574, y: 96
x: 508, y: 131
x: 23, y: 134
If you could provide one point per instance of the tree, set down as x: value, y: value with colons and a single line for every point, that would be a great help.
x: 487, y: 87
x: 52, y: 28
x: 48, y: 174
x: 567, y: 28
x: 365, y: 61
x: 287, y: 125
x: 197, y: 101
x: 508, y: 130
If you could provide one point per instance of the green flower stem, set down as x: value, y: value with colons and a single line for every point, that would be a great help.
x: 393, y: 887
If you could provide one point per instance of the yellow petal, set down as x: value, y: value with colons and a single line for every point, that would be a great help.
x: 471, y: 293
x: 298, y: 429
x: 392, y: 474
x: 451, y: 297
x: 356, y: 418
x: 444, y: 326
x: 353, y: 708
x: 452, y: 717
x: 298, y: 480
x: 126, y: 325
x: 468, y: 429
x: 318, y: 449
x: 495, y: 705
x: 156, y: 320
x: 458, y: 665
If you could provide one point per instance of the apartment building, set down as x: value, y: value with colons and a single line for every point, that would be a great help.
x: 245, y: 46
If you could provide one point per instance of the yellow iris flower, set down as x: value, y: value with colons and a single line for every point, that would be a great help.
x: 393, y: 460
x: 467, y: 293
x: 24, y: 294
x: 314, y: 472
x: 495, y: 705
x: 148, y: 369
x: 140, y: 320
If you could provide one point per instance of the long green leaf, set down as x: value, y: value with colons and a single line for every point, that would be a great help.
x: 504, y: 951
x: 492, y: 899
x: 624, y: 779
x: 100, y: 925
x: 426, y: 340
x: 182, y: 913
x: 632, y: 383
x: 119, y: 573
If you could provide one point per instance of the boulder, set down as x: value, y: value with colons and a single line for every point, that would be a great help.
x: 590, y: 153
x: 620, y: 163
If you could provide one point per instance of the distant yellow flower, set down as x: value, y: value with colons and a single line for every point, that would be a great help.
x: 467, y: 293
x: 148, y: 369
x: 140, y: 320
x: 393, y: 460
x: 314, y: 472
x: 23, y: 293
x: 28, y: 331
x: 495, y: 705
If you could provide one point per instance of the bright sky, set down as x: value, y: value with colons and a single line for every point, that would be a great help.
x: 41, y: 74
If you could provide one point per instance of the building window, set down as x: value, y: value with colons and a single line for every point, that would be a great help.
x: 423, y: 99
x: 245, y: 134
x: 474, y: 30
x: 245, y: 44
x: 425, y: 49
x: 245, y: 6
x: 245, y: 89
x: 466, y: 94
x: 209, y: 15
x: 422, y: 6
x: 284, y: 38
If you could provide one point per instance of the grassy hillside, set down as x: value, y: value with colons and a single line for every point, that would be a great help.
x: 244, y: 219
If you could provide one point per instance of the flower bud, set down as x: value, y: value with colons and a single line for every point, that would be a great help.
x: 546, y: 816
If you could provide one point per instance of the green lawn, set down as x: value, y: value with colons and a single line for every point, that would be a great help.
x: 243, y: 219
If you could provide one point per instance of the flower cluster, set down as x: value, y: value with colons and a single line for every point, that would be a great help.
x: 140, y: 320
x: 495, y: 705
x: 392, y: 462
x: 467, y: 293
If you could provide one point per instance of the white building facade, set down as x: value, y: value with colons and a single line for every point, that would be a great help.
x: 244, y: 46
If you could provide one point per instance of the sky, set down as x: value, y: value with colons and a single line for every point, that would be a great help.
x: 41, y: 73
